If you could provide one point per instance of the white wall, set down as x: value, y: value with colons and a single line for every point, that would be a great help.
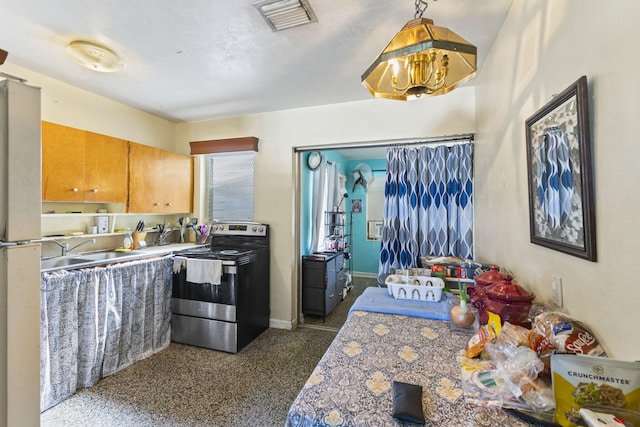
x: 544, y: 47
x: 67, y: 105
x: 279, y: 132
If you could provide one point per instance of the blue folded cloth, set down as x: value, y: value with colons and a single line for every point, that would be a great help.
x: 378, y: 300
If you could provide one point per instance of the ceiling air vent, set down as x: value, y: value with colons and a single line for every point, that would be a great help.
x: 283, y: 14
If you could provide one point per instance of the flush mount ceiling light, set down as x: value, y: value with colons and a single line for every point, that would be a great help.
x: 283, y: 14
x: 94, y: 56
x: 421, y: 59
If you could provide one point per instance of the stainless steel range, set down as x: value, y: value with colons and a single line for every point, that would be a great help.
x: 221, y: 294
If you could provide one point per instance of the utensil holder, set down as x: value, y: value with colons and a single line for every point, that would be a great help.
x: 138, y: 239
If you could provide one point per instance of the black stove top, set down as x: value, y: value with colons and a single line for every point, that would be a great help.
x: 208, y: 252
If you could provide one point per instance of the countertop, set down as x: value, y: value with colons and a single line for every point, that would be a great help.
x: 94, y: 259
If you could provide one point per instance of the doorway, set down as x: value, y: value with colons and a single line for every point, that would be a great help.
x: 362, y: 266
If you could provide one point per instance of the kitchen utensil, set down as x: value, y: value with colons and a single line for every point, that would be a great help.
x: 140, y: 226
x: 182, y: 222
x: 483, y: 280
x: 138, y: 239
x: 203, y: 233
x: 419, y: 288
x: 509, y: 300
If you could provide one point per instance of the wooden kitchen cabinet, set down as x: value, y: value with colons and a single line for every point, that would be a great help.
x: 82, y: 166
x: 322, y: 283
x: 106, y: 166
x: 178, y: 173
x: 160, y: 181
x: 62, y: 163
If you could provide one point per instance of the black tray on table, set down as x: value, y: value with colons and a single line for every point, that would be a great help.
x: 537, y: 419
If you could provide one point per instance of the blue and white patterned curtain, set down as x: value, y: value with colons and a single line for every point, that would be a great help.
x: 428, y: 206
x: 554, y: 177
x: 96, y: 321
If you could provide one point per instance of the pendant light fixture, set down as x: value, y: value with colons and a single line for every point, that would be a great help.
x: 421, y: 59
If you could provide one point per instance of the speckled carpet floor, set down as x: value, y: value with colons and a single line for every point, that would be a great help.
x: 190, y: 386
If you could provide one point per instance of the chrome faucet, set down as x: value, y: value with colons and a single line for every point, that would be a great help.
x: 65, y: 246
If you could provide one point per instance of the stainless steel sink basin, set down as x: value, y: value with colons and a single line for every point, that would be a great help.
x: 97, y: 259
x: 100, y: 256
x: 84, y: 260
x: 61, y: 262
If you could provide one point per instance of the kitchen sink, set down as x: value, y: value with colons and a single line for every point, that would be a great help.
x: 84, y: 260
x: 100, y: 256
x: 98, y: 259
x: 61, y: 262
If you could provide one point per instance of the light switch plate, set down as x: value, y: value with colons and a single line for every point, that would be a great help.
x: 556, y: 290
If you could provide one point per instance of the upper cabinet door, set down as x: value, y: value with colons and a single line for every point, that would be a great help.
x: 178, y: 176
x: 63, y: 152
x: 82, y: 166
x: 159, y: 180
x: 106, y: 168
x: 145, y: 179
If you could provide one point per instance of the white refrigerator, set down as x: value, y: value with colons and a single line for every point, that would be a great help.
x: 20, y: 214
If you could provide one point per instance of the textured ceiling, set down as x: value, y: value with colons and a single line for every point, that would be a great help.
x: 190, y: 60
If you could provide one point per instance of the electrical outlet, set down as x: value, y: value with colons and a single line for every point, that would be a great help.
x: 556, y: 290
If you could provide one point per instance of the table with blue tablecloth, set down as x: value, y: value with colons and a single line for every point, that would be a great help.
x: 380, y: 300
x: 386, y: 340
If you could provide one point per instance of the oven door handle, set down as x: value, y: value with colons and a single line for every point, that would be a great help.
x: 229, y: 269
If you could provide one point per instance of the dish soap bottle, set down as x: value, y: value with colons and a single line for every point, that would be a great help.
x: 128, y: 241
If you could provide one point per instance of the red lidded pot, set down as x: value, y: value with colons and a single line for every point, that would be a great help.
x: 509, y: 300
x: 483, y: 280
x: 494, y: 275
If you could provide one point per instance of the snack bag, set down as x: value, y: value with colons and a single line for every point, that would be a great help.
x: 567, y: 334
x: 541, y: 345
x: 486, y: 334
x: 590, y: 381
x: 513, y: 334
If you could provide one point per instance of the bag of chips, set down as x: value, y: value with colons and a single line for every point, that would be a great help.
x: 567, y: 334
x: 485, y: 334
x: 593, y: 382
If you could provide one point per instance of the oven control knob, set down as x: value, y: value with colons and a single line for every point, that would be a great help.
x: 254, y: 229
x: 261, y: 229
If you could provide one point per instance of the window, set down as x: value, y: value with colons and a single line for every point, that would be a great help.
x: 230, y: 186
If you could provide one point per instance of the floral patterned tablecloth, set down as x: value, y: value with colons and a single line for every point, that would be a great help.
x: 352, y: 383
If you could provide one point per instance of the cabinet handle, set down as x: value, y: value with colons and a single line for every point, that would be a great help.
x: 156, y: 204
x: 95, y: 190
x: 168, y: 204
x: 331, y: 295
x: 74, y: 189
